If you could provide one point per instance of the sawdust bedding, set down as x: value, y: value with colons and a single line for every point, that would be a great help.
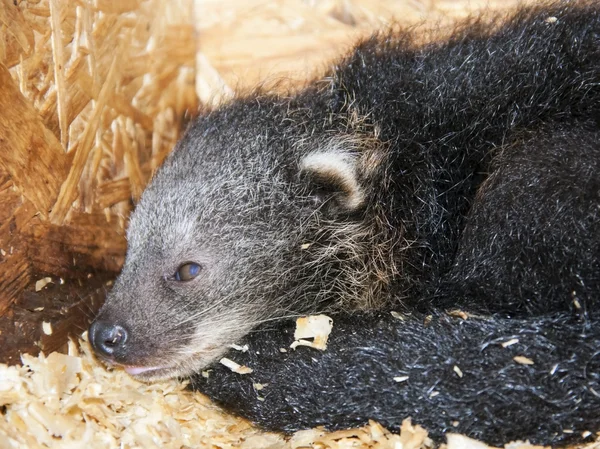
x: 71, y: 401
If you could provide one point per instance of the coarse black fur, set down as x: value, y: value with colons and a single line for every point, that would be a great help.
x: 451, y: 376
x: 459, y: 174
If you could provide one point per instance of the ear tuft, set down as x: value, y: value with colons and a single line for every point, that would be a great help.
x: 336, y: 173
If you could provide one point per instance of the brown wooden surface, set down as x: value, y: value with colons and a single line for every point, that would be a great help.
x: 68, y: 308
x: 19, y: 39
x: 29, y: 153
x: 33, y: 166
x: 31, y: 249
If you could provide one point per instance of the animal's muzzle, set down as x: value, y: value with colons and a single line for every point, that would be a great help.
x: 108, y: 339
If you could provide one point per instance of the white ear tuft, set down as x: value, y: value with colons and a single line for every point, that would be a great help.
x: 337, y: 171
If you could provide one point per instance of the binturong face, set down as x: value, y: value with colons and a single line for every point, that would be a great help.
x: 239, y: 226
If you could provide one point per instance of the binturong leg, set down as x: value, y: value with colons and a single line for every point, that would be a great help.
x: 531, y: 244
x: 494, y: 379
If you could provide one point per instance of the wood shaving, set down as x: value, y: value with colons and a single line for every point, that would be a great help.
x: 47, y: 328
x: 371, y: 436
x: 458, y: 314
x: 510, y: 342
x: 456, y: 441
x: 398, y: 315
x: 317, y: 327
x: 523, y: 360
x: 235, y: 367
x: 41, y: 283
x: 72, y: 401
x: 239, y: 348
x: 525, y: 445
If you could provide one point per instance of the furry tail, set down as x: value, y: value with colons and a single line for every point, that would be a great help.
x: 493, y: 379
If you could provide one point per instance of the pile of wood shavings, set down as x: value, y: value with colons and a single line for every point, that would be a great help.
x: 71, y: 401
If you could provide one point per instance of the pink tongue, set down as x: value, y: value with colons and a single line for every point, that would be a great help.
x: 133, y: 370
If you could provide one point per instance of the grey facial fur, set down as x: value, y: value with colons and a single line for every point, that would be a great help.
x: 269, y: 212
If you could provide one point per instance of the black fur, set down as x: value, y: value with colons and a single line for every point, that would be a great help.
x: 464, y: 176
x: 496, y: 399
x: 494, y: 172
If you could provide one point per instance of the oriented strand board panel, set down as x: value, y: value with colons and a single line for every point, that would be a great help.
x: 93, y: 95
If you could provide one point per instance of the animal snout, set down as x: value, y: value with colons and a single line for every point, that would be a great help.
x: 107, y: 339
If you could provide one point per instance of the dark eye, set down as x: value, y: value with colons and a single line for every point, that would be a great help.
x: 187, y: 271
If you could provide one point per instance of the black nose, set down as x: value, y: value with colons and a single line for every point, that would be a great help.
x: 107, y: 338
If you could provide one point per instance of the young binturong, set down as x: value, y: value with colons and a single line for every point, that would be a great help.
x: 416, y: 179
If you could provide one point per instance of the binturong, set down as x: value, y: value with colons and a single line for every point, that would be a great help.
x: 413, y: 178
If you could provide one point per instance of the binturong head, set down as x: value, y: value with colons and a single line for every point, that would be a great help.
x: 254, y: 216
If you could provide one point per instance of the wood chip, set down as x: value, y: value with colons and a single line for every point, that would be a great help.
x: 41, y: 283
x: 235, y: 367
x: 510, y: 342
x: 523, y: 360
x: 47, y: 328
x: 456, y: 441
x: 317, y: 327
x: 239, y: 348
x: 458, y: 314
x: 398, y: 315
